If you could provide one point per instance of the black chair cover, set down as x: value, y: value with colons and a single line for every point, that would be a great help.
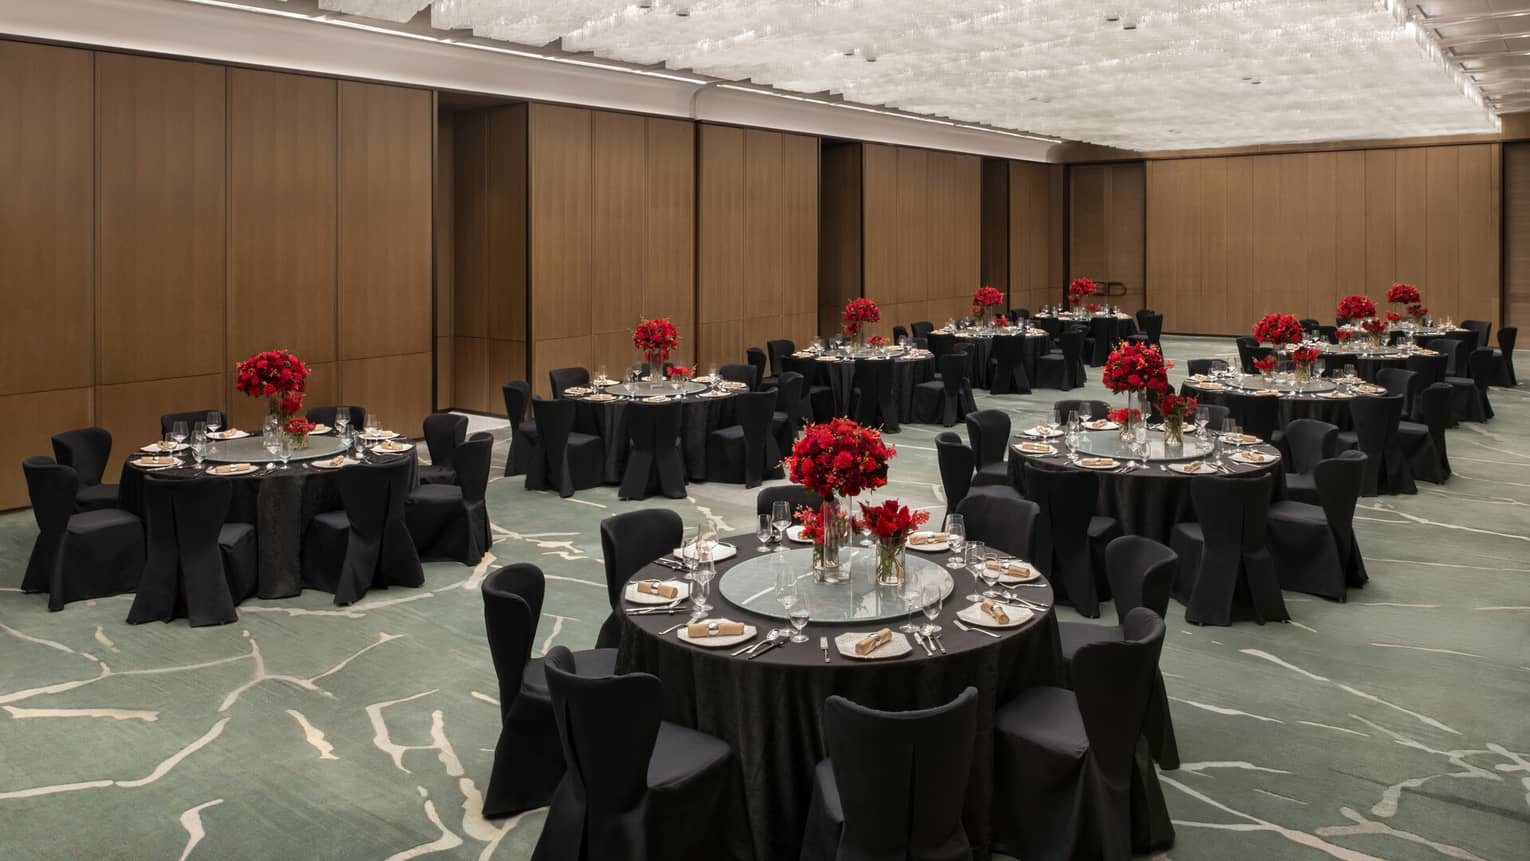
x: 1483, y: 366
x: 326, y: 415
x: 1306, y: 442
x: 91, y: 554
x: 87, y: 451
x: 1063, y: 370
x: 562, y: 459
x: 957, y: 463
x: 1102, y: 332
x: 1314, y: 546
x: 921, y: 328
x: 1423, y: 443
x: 820, y: 397
x: 1375, y: 433
x: 1507, y: 336
x: 790, y: 413
x: 528, y: 759
x: 443, y: 433
x: 629, y: 542
x: 779, y: 349
x: 1070, y: 767
x: 899, y: 332
x: 1256, y: 414
x: 562, y: 379
x: 740, y: 373
x: 874, y: 404
x: 1090, y: 410
x: 1225, y: 570
x: 198, y: 567
x: 168, y: 420
x: 1004, y: 521
x: 1246, y: 347
x: 1198, y: 366
x: 756, y: 358
x: 1398, y: 381
x: 1481, y: 328
x: 795, y: 495
x: 988, y: 432
x: 451, y: 520
x: 885, y: 790
x: 636, y: 787
x: 1068, y: 527
x: 1152, y: 326
x: 1455, y: 351
x: 653, y: 459
x: 745, y: 451
x: 523, y: 433
x: 1008, y: 376
x: 1051, y: 325
x: 366, y: 545
x: 947, y: 399
x: 941, y: 345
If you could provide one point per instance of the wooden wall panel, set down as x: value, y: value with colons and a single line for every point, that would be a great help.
x: 1412, y: 261
x: 445, y: 259
x: 1478, y: 234
x: 845, y: 221
x: 668, y: 278
x: 1238, y: 210
x: 46, y: 413
x: 1516, y: 232
x: 161, y: 230
x: 1106, y: 228
x: 1211, y: 191
x: 395, y: 388
x: 131, y: 411
x: 1035, y: 234
x: 560, y: 151
x: 1320, y: 231
x: 618, y: 245
x: 1349, y: 227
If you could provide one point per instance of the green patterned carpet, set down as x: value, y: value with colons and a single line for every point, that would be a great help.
x: 1394, y: 726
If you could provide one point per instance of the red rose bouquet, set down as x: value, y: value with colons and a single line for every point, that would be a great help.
x: 1418, y: 312
x: 1124, y: 415
x: 1393, y: 317
x: 891, y: 521
x: 857, y: 313
x: 985, y: 298
x: 1403, y: 294
x: 807, y: 518
x: 1092, y: 308
x: 1001, y: 320
x: 275, y: 375
x: 1265, y: 365
x: 877, y: 341
x: 657, y: 338
x: 1344, y: 335
x: 298, y: 426
x: 1278, y: 329
x: 680, y: 372
x: 1304, y: 357
x: 839, y: 458
x: 1375, y: 328
x: 1175, y: 409
x: 1356, y: 308
x: 1135, y: 367
x: 1080, y: 288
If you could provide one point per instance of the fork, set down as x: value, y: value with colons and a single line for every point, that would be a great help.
x: 959, y: 624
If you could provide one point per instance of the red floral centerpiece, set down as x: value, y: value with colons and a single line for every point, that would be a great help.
x: 1375, y: 329
x: 1092, y: 308
x: 857, y: 313
x: 1418, y: 313
x: 1138, y: 371
x: 1175, y: 409
x: 1001, y: 320
x: 877, y: 341
x: 1393, y: 317
x: 1080, y: 288
x: 1305, y: 357
x: 1356, y: 308
x: 680, y: 372
x: 836, y: 459
x: 984, y: 300
x: 1278, y: 329
x: 656, y: 338
x: 1265, y: 365
x: 1403, y: 294
x: 1124, y: 415
x: 892, y: 524
x: 297, y: 429
x: 279, y: 377
x: 1344, y: 335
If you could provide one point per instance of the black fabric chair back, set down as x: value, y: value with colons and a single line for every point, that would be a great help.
x: 900, y: 777
x: 1430, y: 369
x: 1216, y: 414
x: 1071, y: 343
x: 1309, y: 324
x: 381, y: 551
x: 184, y: 573
x: 941, y: 345
x: 512, y: 606
x: 1507, y: 336
x: 921, y: 328
x: 1067, y: 501
x: 517, y: 401
x: 562, y: 379
x: 753, y: 411
x: 1434, y: 409
x: 653, y: 457
x: 1003, y: 521
x: 1338, y: 485
x: 1482, y: 367
x: 957, y: 464
x: 756, y: 359
x: 1051, y: 325
x: 955, y: 389
x: 1141, y: 574
x: 168, y: 420
x: 1376, y: 433
x: 1152, y: 326
x: 1112, y: 681
x: 1334, y: 363
x: 1235, y: 564
x: 86, y: 451
x: 1453, y: 349
x: 792, y: 399
x: 1009, y: 376
x: 549, y: 459
x: 1090, y: 410
x: 1256, y: 414
x: 875, y: 407
x: 1246, y: 346
x: 988, y: 432
x: 779, y: 349
x: 629, y: 542
x: 1401, y: 382
x: 1329, y: 334
x: 51, y: 489
x: 1309, y: 441
x: 471, y: 463
x: 794, y: 495
x: 1141, y: 313
x: 326, y: 415
x: 739, y: 373
x: 899, y: 332
x: 1198, y: 366
x: 443, y: 433
x: 804, y: 366
x: 1481, y: 328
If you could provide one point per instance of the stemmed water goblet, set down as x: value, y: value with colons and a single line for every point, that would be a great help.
x: 764, y: 532
x: 931, y: 598
x: 977, y: 558
x: 910, y: 593
x: 702, y: 575
x: 781, y: 518
x: 990, y: 576
x: 956, y: 536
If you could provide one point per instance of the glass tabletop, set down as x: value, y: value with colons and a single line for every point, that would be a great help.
x: 251, y: 449
x: 1109, y: 444
x: 751, y: 584
x: 647, y: 389
x: 1255, y: 382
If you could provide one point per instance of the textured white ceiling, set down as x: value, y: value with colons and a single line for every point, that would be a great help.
x: 1164, y: 74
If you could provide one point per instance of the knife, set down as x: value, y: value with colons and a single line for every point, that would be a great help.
x: 823, y: 643
x: 768, y: 647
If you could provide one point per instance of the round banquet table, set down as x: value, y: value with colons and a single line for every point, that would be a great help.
x: 768, y: 709
x: 1325, y: 406
x: 1147, y: 501
x: 910, y: 368
x: 279, y: 503
x: 1368, y: 360
x: 701, y: 414
x: 1033, y: 343
x: 1107, y: 330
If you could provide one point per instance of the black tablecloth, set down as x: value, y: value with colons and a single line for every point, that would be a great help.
x: 279, y: 503
x: 1335, y: 411
x: 769, y: 709
x: 1032, y: 346
x: 839, y: 376
x: 1147, y: 501
x: 608, y: 420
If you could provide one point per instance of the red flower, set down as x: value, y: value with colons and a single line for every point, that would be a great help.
x: 1356, y: 308
x: 273, y: 373
x: 877, y: 341
x: 1403, y: 294
x: 1306, y: 355
x: 891, y: 521
x: 298, y: 426
x: 1001, y: 320
x: 985, y: 298
x: 1176, y: 406
x: 1418, y: 312
x: 861, y: 311
x: 1344, y: 334
x: 1393, y: 316
x: 1375, y: 327
x: 680, y: 372
x: 1124, y: 415
x: 1080, y: 288
x: 1265, y: 365
x: 657, y: 338
x: 1092, y: 308
x: 1278, y: 329
x: 839, y: 458
x: 1135, y: 367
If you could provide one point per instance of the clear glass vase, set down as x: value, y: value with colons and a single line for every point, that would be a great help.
x: 891, y: 563
x: 1173, y: 433
x: 834, y: 524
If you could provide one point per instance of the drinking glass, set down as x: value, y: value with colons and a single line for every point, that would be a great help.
x: 781, y: 518
x: 371, y: 425
x: 1202, y: 420
x: 199, y: 451
x: 990, y: 577
x: 798, y: 616
x: 910, y: 593
x: 1075, y: 427
x: 178, y: 433
x: 214, y: 420
x: 600, y: 375
x: 361, y: 449
x: 764, y: 531
x: 976, y: 557
x: 956, y: 529
x: 930, y: 595
x: 284, y: 448
x: 689, y: 554
x: 271, y: 442
x: 342, y: 420
x: 199, y: 429
x: 705, y: 571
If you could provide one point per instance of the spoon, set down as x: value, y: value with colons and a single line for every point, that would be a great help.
x: 774, y: 635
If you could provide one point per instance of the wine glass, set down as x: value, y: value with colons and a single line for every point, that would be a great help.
x: 342, y: 421
x: 199, y: 451
x: 284, y: 448
x: 956, y: 536
x: 702, y: 575
x: 990, y: 576
x: 214, y: 420
x: 910, y: 594
x: 689, y: 556
x: 798, y: 616
x: 976, y: 559
x: 781, y: 518
x: 764, y: 531
x: 271, y: 441
x: 178, y: 433
x: 1075, y: 427
x: 1202, y: 420
x: 600, y: 376
x: 929, y: 594
x: 787, y: 593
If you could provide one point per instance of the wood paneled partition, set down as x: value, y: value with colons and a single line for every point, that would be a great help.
x: 1230, y: 239
x: 1516, y: 233
x: 757, y: 234
x: 1106, y: 232
x: 1023, y: 231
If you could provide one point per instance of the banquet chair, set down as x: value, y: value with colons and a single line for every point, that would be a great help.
x: 87, y: 451
x: 1328, y: 334
x: 523, y: 433
x: 1430, y: 370
x: 1505, y: 352
x: 1017, y: 314
x: 528, y: 760
x: 1070, y: 766
x: 636, y: 786
x: 1314, y: 546
x: 1309, y: 324
x: 1101, y: 340
x: 1465, y: 397
x: 756, y: 359
x: 452, y: 520
x: 1482, y: 329
x: 562, y: 459
x: 1482, y: 366
x: 778, y: 349
x: 77, y: 555
x: 1198, y: 366
x: 819, y: 397
x: 1454, y: 350
x: 942, y: 345
x: 745, y: 451
x: 921, y: 328
x: 1002, y: 519
x: 562, y: 379
x: 893, y: 785
x: 1141, y: 574
x: 1216, y: 414
x: 738, y: 372
x: 1423, y: 442
x: 198, y: 567
x: 1246, y: 346
x: 899, y: 333
x: 1306, y: 443
x: 1375, y: 433
x: 1089, y: 410
x: 1256, y: 414
x: 1335, y: 363
x: 988, y: 433
x: 1051, y: 325
x: 1152, y: 326
x: 1071, y: 546
x: 1398, y: 381
x: 795, y: 495
x: 326, y: 415
x: 365, y: 544
x: 1064, y: 369
x: 944, y: 400
x: 1226, y: 573
x: 630, y: 542
x: 653, y: 451
x: 1008, y: 375
x: 872, y: 401
x: 168, y: 420
x: 957, y: 463
x: 790, y: 414
x: 443, y: 433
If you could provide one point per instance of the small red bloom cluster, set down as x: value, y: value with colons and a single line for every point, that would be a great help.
x: 1306, y: 355
x: 1356, y: 308
x: 985, y: 298
x: 1393, y: 316
x: 1001, y: 320
x: 1278, y: 329
x: 809, y: 519
x: 1344, y: 334
x: 1092, y: 308
x: 1265, y: 365
x: 839, y: 458
x: 877, y: 341
x: 1080, y: 288
x: 891, y: 521
x: 680, y: 372
x: 1403, y: 294
x: 298, y: 426
x: 1134, y: 367
x: 1176, y: 406
x: 1124, y: 415
x: 274, y: 373
x: 861, y: 311
x: 656, y: 337
x: 1418, y: 312
x: 1374, y: 327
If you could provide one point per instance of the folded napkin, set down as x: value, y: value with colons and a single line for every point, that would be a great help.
x: 1194, y: 466
x: 733, y: 384
x: 1040, y: 430
x: 225, y: 434
x: 1097, y: 461
x: 1267, y: 393
x: 928, y: 537
x: 157, y: 461
x: 656, y: 399
x: 655, y: 587
x: 1100, y: 424
x: 996, y: 611
x: 871, y: 642
x: 227, y: 468
x: 1008, y: 566
x: 1252, y: 456
x: 337, y: 460
x: 701, y: 630
x: 1035, y: 448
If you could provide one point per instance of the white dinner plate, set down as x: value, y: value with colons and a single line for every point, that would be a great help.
x: 1241, y: 439
x: 374, y: 435
x: 897, y: 647
x: 1040, y: 432
x: 319, y: 430
x: 1036, y: 448
x: 929, y: 547
x: 232, y: 469
x: 601, y: 398
x: 156, y: 462
x: 719, y: 642
x: 1008, y: 577
x: 720, y: 550
x: 1099, y: 463
x: 794, y: 534
x: 223, y: 435
x: 159, y: 447
x: 632, y: 594
x: 714, y: 394
x: 335, y: 462
x: 733, y: 384
x: 1212, y: 387
x: 1252, y: 458
x: 973, y: 614
x: 1185, y: 468
x: 391, y: 447
x: 1102, y: 424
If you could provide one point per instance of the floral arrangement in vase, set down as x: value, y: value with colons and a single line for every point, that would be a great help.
x: 857, y: 313
x: 1092, y: 308
x: 276, y: 375
x: 1376, y: 329
x: 1001, y: 320
x: 1265, y: 366
x: 837, y: 459
x: 656, y: 338
x: 679, y: 372
x: 1124, y: 415
x: 1356, y: 308
x: 1305, y: 357
x: 1278, y: 329
x: 297, y: 429
x: 1175, y: 409
x: 1138, y: 371
x: 877, y: 341
x: 1394, y: 317
x: 984, y: 300
x: 1403, y: 294
x: 1080, y: 288
x: 1344, y: 335
x: 1418, y: 313
x: 892, y: 523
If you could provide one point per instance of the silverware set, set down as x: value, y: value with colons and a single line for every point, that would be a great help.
x: 930, y: 642
x: 775, y: 638
x: 671, y: 607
